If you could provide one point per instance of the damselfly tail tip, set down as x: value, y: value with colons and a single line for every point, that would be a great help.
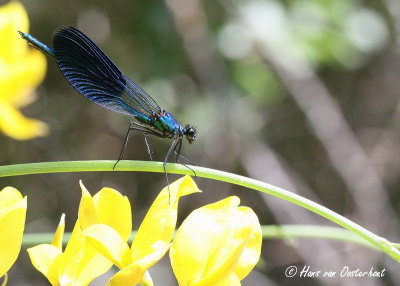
x: 23, y: 35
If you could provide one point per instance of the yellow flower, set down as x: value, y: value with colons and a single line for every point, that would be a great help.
x: 12, y: 222
x: 80, y: 263
x: 151, y: 242
x: 218, y: 244
x: 108, y: 207
x: 21, y: 70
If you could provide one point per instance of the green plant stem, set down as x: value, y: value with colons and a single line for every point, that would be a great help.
x: 5, y: 281
x: 145, y: 166
x: 31, y: 239
x: 288, y: 232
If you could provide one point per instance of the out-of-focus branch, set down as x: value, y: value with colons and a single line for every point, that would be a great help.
x: 190, y: 21
x: 385, y: 151
x: 191, y: 24
x: 372, y: 207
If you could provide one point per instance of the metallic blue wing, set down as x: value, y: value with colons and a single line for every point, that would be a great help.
x: 96, y: 77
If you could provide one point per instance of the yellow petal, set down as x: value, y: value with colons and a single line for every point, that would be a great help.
x: 21, y: 70
x: 109, y: 243
x: 58, y: 235
x: 152, y: 258
x: 13, y: 17
x: 8, y: 197
x: 196, y: 241
x: 114, y: 210
x: 19, y: 77
x: 221, y: 264
x: 75, y: 242
x: 146, y: 280
x: 85, y: 265
x: 68, y: 262
x: 251, y: 253
x: 136, y: 272
x: 12, y: 223
x: 208, y: 246
x: 109, y: 207
x: 43, y: 258
x: 181, y: 187
x: 158, y: 226
x: 127, y: 276
x: 231, y: 280
x: 92, y: 265
x: 15, y: 125
x: 87, y: 214
x: 80, y: 263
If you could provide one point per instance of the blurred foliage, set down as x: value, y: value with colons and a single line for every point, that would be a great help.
x: 209, y: 63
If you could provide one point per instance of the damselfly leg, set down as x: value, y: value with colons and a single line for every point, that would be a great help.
x: 137, y: 127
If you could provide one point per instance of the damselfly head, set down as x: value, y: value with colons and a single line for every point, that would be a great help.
x: 190, y: 133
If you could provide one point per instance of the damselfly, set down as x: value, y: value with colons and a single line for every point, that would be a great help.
x: 97, y: 78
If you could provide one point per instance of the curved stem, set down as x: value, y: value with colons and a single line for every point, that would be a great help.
x: 5, y: 281
x: 145, y: 166
x: 285, y: 231
x: 290, y: 232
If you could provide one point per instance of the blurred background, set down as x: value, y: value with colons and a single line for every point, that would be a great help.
x: 303, y: 95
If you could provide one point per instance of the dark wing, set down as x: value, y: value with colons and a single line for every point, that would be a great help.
x: 96, y: 77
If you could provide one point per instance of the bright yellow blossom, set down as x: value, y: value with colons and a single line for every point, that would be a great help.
x: 12, y: 222
x: 151, y: 242
x: 80, y: 263
x: 21, y: 70
x: 218, y: 244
